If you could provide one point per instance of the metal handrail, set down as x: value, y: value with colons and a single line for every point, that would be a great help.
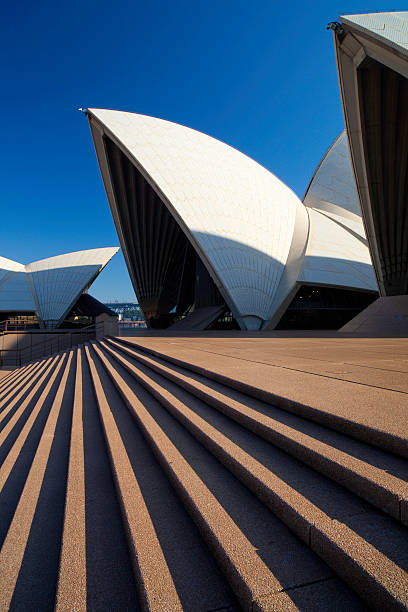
x: 6, y: 324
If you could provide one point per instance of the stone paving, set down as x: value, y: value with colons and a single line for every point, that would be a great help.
x: 210, y: 472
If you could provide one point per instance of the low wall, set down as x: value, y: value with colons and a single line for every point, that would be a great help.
x: 105, y: 325
x: 17, y: 348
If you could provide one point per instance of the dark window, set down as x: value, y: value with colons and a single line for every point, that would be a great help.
x: 316, y: 307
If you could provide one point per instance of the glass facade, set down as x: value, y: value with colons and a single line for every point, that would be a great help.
x: 316, y: 307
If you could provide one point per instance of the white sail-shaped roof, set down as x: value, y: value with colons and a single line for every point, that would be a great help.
x: 15, y: 293
x: 337, y: 252
x: 258, y: 241
x: 332, y: 187
x: 392, y: 27
x: 372, y: 64
x: 51, y: 286
x: 238, y: 215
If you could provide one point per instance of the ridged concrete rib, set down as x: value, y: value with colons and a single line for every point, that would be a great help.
x: 156, y: 586
x: 244, y: 569
x: 71, y: 594
x: 354, y: 558
x: 12, y: 551
x: 371, y: 482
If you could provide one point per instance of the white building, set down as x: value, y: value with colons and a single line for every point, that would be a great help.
x: 205, y: 229
x: 49, y: 288
x: 372, y: 62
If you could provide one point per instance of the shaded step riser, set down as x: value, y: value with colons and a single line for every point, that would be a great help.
x: 10, y: 384
x: 37, y: 390
x: 25, y: 386
x: 237, y: 558
x: 3, y: 380
x: 13, y: 375
x: 311, y: 524
x: 191, y: 564
x: 13, y: 455
x: 71, y: 592
x: 369, y: 435
x: 146, y: 553
x: 22, y: 384
x: 360, y: 478
x: 13, y: 549
x: 51, y: 397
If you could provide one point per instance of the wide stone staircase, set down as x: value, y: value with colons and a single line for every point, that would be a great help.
x: 128, y: 482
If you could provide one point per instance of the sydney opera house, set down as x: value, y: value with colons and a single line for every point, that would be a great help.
x: 44, y: 293
x: 211, y: 238
x: 255, y: 471
x: 372, y: 65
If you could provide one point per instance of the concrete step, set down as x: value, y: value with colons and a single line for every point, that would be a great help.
x: 51, y: 554
x: 250, y: 577
x: 5, y: 380
x: 342, y: 544
x: 71, y: 592
x: 25, y: 395
x: 130, y: 483
x: 191, y: 566
x: 21, y: 434
x: 378, y: 477
x: 308, y: 394
x: 145, y: 547
x: 18, y: 383
x: 110, y: 578
x: 7, y: 375
x: 14, y: 545
x: 255, y: 578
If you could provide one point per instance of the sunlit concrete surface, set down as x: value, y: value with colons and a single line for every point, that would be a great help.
x: 225, y: 472
x: 360, y: 378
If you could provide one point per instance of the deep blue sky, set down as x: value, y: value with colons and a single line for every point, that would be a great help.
x: 257, y: 74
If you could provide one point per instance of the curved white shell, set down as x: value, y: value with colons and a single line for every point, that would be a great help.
x: 239, y: 215
x: 337, y: 253
x: 256, y: 238
x: 50, y: 286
